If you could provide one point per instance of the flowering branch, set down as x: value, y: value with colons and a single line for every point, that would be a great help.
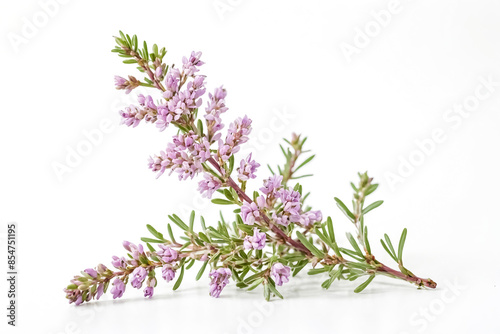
x: 257, y: 248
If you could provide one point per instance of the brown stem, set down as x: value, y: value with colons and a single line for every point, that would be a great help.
x: 412, y: 279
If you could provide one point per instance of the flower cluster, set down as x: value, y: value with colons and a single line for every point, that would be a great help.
x: 280, y: 273
x: 184, y: 155
x: 178, y: 103
x: 247, y: 169
x: 215, y: 107
x: 290, y: 208
x: 219, y: 280
x: 127, y: 85
x: 209, y: 185
x: 237, y: 134
x: 255, y: 241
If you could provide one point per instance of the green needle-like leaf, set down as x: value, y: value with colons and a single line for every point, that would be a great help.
x: 364, y: 284
x: 402, y: 244
x: 221, y: 201
x: 389, y: 243
x: 177, y: 221
x: 354, y: 244
x: 310, y: 246
x: 372, y: 206
x: 191, y: 221
x: 388, y: 251
x: 202, y: 270
x: 367, y: 243
x: 305, y: 162
x: 152, y: 230
x: 179, y: 280
x: 344, y: 208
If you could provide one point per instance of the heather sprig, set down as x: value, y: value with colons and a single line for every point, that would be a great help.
x: 273, y: 234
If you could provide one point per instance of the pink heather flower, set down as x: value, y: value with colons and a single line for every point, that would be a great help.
x: 100, y: 291
x: 257, y: 241
x: 202, y: 150
x: 159, y: 163
x: 79, y: 300
x: 141, y: 99
x: 281, y: 219
x: 310, y: 217
x: 119, y: 81
x: 127, y: 85
x: 215, y: 107
x: 164, y: 117
x: 280, y: 273
x: 158, y: 71
x: 262, y: 202
x: 118, y: 288
x: 247, y: 168
x: 149, y: 103
x: 101, y: 268
x: 138, y: 276
x: 91, y: 272
x: 126, y: 244
x: 167, y: 254
x: 119, y: 262
x: 167, y: 273
x: 171, y: 83
x: 136, y: 251
x: 219, y: 279
x: 184, y: 156
x: 131, y: 116
x: 291, y: 207
x: 209, y: 185
x: 271, y: 185
x: 190, y: 65
x: 250, y: 212
x: 148, y: 292
x: 237, y: 134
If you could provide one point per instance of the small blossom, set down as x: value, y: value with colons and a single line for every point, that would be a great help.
x: 137, y: 251
x: 100, y: 291
x: 271, y: 185
x: 190, y: 65
x: 219, y: 279
x: 101, y: 268
x: 119, y: 262
x: 158, y: 71
x: 118, y: 288
x: 91, y: 272
x: 215, y: 107
x: 138, y: 276
x: 247, y: 168
x: 280, y: 273
x: 310, y: 217
x: 131, y: 116
x: 257, y: 241
x: 126, y: 245
x: 148, y: 292
x: 79, y: 300
x: 237, y: 134
x: 167, y: 254
x: 209, y: 185
x: 250, y: 212
x: 127, y: 85
x: 167, y: 272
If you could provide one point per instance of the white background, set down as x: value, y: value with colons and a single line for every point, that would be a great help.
x: 363, y: 112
